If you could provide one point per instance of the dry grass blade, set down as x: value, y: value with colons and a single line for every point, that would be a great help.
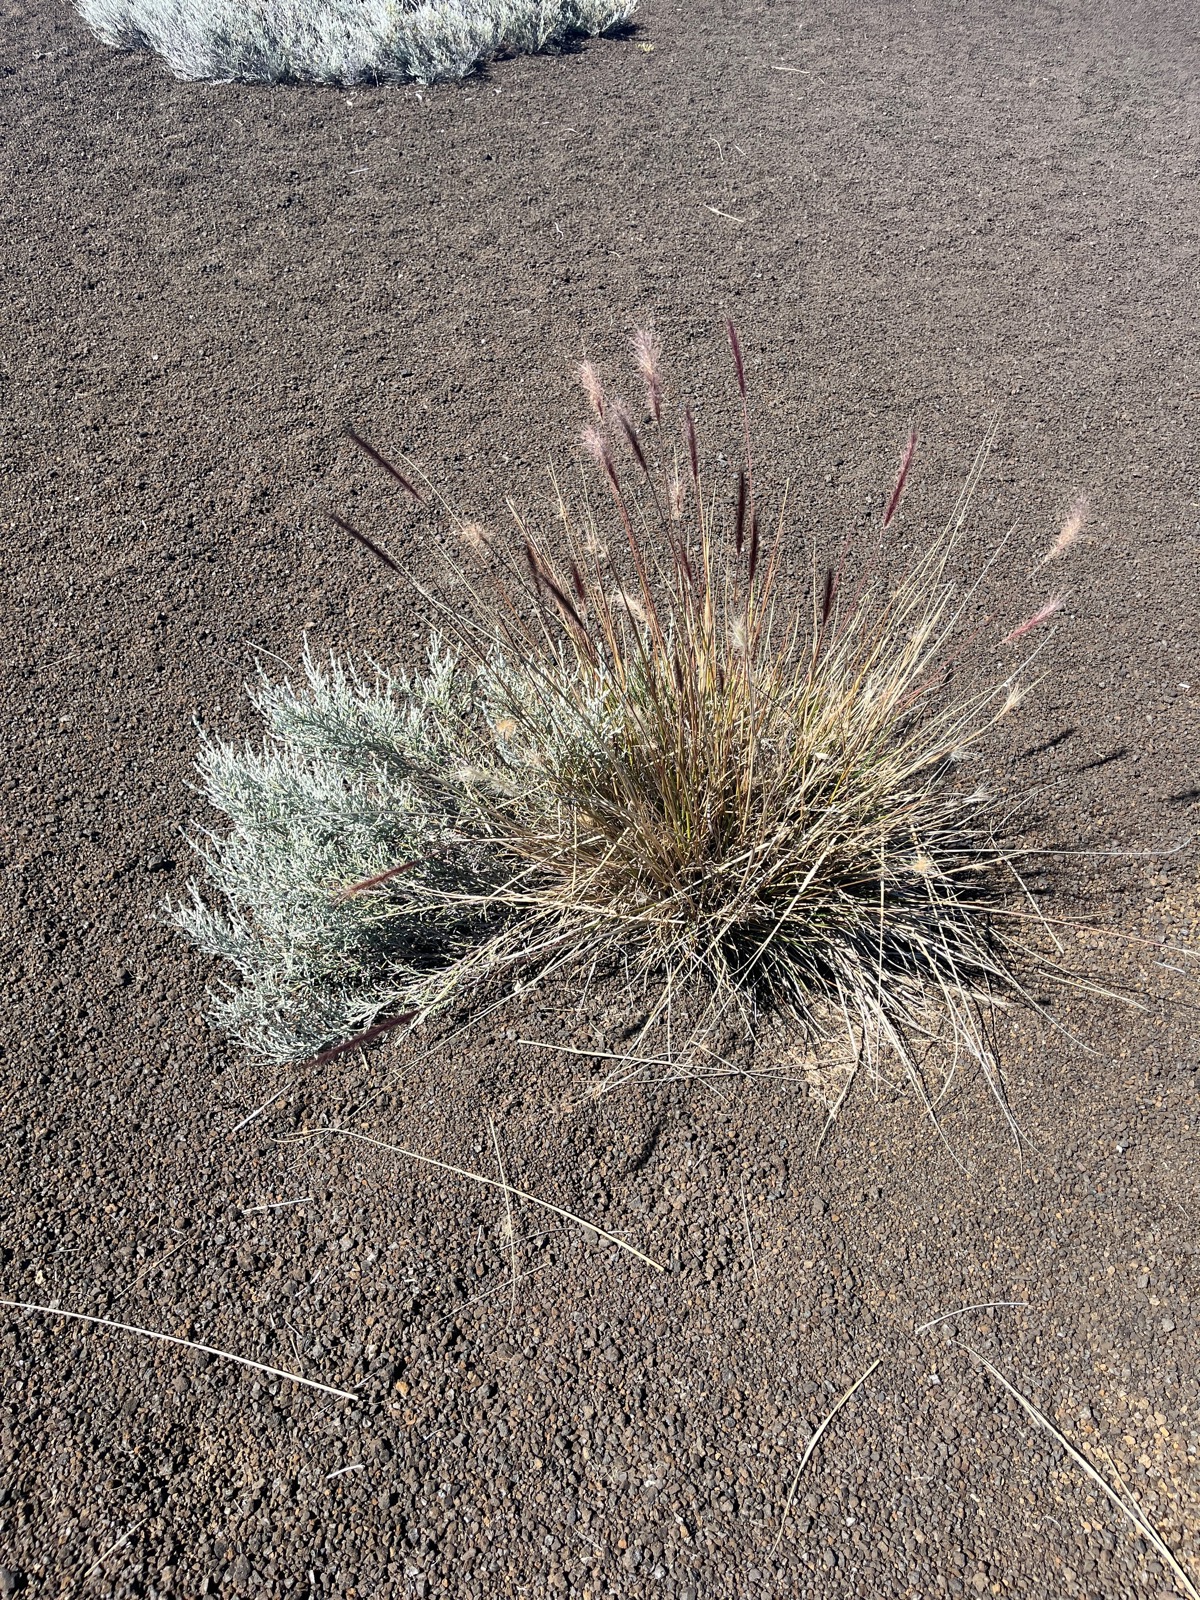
x: 186, y: 1344
x: 986, y: 1305
x: 815, y: 1440
x: 1125, y: 1504
x: 116, y: 1545
x: 508, y: 1213
x: 491, y: 1183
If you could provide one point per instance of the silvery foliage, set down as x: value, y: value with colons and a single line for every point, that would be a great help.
x: 357, y: 777
x: 342, y: 41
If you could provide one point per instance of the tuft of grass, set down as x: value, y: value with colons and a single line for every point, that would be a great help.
x: 342, y: 42
x: 633, y: 750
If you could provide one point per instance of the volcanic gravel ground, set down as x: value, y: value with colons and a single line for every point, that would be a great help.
x: 947, y: 212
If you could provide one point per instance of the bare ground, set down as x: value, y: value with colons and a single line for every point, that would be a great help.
x: 949, y: 212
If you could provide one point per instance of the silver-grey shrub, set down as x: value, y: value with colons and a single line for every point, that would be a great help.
x: 356, y: 777
x: 342, y: 41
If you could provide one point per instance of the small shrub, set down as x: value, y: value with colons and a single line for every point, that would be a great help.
x: 342, y: 41
x: 630, y: 754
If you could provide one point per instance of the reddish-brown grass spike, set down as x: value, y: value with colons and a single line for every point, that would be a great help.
x: 752, y: 559
x: 382, y: 462
x: 385, y: 1025
x: 535, y: 567
x: 1052, y: 607
x: 367, y: 544
x: 596, y: 445
x: 739, y: 365
x: 645, y: 355
x: 901, y: 478
x: 827, y: 597
x: 625, y: 423
x: 373, y: 883
x: 693, y: 450
x: 739, y: 516
x: 577, y: 583
x: 563, y: 601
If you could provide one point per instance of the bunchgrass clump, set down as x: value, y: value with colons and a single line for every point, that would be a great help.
x: 633, y: 753
x: 342, y: 42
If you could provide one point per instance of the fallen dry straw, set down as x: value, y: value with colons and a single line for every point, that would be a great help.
x: 506, y: 1188
x: 1125, y: 1503
x: 186, y: 1344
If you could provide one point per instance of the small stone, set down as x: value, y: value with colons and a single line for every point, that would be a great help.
x: 1168, y: 1324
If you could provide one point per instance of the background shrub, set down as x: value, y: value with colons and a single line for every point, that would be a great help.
x: 342, y: 41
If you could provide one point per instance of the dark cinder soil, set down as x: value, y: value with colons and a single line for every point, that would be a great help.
x: 951, y: 212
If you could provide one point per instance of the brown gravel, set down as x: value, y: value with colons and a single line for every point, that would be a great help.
x: 947, y: 211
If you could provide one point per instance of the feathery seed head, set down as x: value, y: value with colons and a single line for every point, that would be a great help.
x: 625, y: 422
x: 592, y: 385
x: 646, y: 352
x: 739, y: 364
x: 476, y: 536
x: 595, y: 445
x: 1014, y: 698
x: 693, y: 450
x: 1052, y: 607
x: 901, y: 478
x: 1069, y: 533
x: 629, y: 604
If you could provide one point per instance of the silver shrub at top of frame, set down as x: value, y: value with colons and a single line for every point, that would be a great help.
x: 342, y: 41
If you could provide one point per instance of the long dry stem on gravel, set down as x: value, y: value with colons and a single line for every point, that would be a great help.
x: 1125, y: 1504
x: 187, y: 1344
x: 491, y: 1183
x: 815, y: 1440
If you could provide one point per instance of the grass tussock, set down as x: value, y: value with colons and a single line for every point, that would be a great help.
x: 342, y: 42
x: 634, y: 751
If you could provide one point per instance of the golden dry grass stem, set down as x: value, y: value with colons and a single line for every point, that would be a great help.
x: 186, y: 1344
x: 510, y: 1225
x: 749, y: 1235
x: 817, y: 1435
x: 1125, y: 1503
x: 480, y: 1177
